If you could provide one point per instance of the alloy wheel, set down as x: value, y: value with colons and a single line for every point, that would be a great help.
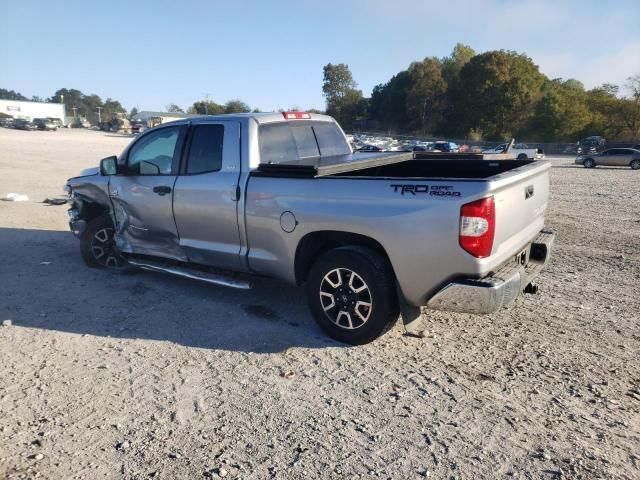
x: 345, y: 298
x: 103, y: 248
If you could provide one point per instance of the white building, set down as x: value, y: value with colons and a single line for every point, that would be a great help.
x: 31, y: 110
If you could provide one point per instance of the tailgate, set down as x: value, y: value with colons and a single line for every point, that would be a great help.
x: 521, y: 197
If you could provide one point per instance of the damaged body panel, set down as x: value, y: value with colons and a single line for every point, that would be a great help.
x: 88, y: 198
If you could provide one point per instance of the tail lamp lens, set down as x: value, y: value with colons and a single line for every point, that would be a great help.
x: 477, y: 227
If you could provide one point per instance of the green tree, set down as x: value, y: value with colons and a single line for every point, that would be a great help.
x: 605, y: 105
x: 452, y: 64
x: 500, y: 91
x: 630, y: 107
x: 562, y: 114
x: 133, y: 112
x: 112, y: 109
x: 172, y: 107
x: 207, y: 107
x: 11, y: 95
x: 71, y: 98
x: 426, y: 97
x: 388, y: 103
x: 344, y: 100
x: 236, y: 106
x: 88, y: 105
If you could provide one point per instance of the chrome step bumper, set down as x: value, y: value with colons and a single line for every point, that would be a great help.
x: 490, y: 294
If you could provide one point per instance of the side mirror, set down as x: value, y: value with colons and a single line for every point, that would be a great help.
x: 109, y: 166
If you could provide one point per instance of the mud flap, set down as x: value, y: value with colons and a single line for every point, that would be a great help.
x: 411, y: 314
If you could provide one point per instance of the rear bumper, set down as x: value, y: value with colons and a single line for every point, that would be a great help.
x: 500, y: 289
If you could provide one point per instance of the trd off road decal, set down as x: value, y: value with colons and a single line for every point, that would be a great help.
x: 431, y: 190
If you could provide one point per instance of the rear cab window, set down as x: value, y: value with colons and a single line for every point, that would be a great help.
x: 205, y: 149
x: 291, y: 141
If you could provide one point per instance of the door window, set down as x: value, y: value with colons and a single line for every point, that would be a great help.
x: 205, y: 152
x: 155, y: 153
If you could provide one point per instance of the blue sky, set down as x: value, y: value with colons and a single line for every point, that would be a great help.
x: 270, y: 53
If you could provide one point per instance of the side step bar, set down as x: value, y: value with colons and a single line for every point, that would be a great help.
x: 209, y: 277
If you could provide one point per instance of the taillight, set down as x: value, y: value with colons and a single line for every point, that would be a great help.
x: 478, y: 226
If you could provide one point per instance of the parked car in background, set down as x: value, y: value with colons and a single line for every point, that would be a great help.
x: 614, y: 157
x: 22, y: 124
x: 56, y: 121
x: 80, y: 122
x: 521, y: 151
x: 592, y: 144
x: 370, y: 148
x: 422, y: 147
x: 6, y: 122
x: 443, y: 146
x: 44, y: 124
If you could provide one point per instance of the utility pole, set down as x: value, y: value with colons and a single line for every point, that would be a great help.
x: 99, y: 117
x: 206, y: 104
x: 74, y: 111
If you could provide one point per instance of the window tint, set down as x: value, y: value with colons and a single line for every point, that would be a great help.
x: 205, y: 152
x: 305, y: 141
x: 281, y: 142
x: 154, y: 153
x: 330, y: 139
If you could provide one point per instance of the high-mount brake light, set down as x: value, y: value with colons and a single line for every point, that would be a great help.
x: 478, y: 226
x: 296, y: 115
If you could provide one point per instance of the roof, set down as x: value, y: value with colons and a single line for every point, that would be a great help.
x: 260, y: 118
x: 7, y: 100
x: 147, y: 113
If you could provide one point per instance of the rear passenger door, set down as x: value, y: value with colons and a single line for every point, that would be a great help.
x: 205, y: 195
x: 624, y: 157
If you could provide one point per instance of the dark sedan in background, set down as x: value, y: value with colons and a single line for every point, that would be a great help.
x: 22, y: 124
x: 44, y: 124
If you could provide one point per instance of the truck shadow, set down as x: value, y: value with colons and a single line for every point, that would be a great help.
x: 45, y: 284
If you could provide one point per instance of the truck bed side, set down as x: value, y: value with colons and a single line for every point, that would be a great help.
x: 417, y: 227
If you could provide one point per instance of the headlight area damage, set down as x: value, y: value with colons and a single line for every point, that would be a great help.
x: 88, y: 199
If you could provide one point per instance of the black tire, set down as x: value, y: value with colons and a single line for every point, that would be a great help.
x: 589, y: 163
x: 635, y: 164
x: 97, y: 245
x: 523, y: 156
x: 349, y: 320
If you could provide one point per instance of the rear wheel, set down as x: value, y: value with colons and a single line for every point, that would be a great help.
x: 589, y: 163
x: 523, y: 156
x: 97, y: 245
x: 351, y: 293
x: 635, y: 164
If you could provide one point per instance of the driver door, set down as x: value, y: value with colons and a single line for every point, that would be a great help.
x: 142, y: 196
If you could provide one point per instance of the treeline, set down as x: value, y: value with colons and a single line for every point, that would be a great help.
x: 493, y: 95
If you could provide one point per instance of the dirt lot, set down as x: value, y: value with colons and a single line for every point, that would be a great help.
x: 142, y: 375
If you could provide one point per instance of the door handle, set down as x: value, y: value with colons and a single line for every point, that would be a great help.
x: 162, y: 189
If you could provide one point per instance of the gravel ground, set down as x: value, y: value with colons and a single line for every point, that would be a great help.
x: 142, y: 375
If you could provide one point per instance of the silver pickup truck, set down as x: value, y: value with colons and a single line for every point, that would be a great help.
x: 225, y: 198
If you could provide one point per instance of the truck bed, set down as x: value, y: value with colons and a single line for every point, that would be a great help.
x: 395, y: 165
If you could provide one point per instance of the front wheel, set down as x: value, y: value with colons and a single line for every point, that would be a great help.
x: 97, y: 245
x: 351, y: 293
x: 589, y: 163
x: 523, y: 156
x: 635, y: 164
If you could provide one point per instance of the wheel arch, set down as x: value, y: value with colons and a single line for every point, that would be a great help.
x: 314, y: 244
